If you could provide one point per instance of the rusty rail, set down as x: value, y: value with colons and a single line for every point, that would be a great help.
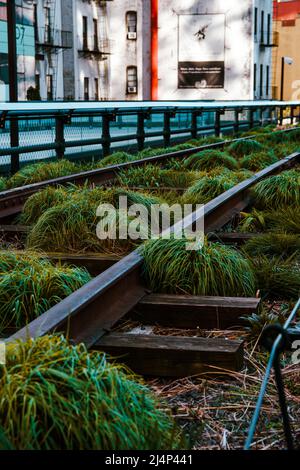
x: 87, y: 314
x: 13, y: 200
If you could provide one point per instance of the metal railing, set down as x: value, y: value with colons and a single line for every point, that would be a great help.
x: 276, y: 339
x: 55, y: 131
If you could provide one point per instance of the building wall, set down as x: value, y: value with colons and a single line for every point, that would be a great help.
x: 50, y: 59
x: 199, y: 41
x: 287, y: 24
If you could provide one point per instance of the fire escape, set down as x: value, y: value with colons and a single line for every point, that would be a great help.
x: 97, y: 46
x: 50, y: 42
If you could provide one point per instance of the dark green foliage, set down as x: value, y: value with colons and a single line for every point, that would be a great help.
x: 277, y: 278
x: 279, y: 190
x: 54, y: 396
x: 273, y: 244
x: 29, y: 286
x: 258, y: 161
x: 245, y: 147
x: 210, y: 159
x: 214, y: 269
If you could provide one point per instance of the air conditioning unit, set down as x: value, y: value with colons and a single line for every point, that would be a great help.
x: 131, y: 35
x: 132, y: 89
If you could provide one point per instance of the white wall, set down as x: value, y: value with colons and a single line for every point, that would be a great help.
x: 238, y: 50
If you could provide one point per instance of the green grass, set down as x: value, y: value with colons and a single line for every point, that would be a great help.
x: 209, y: 187
x: 3, y: 183
x: 152, y: 176
x: 254, y: 221
x: 70, y: 226
x: 55, y: 396
x: 277, y: 278
x: 278, y: 191
x: 258, y: 161
x: 287, y: 219
x: 115, y: 159
x: 210, y: 159
x: 41, y: 172
x: 214, y: 269
x: 30, y: 285
x: 273, y: 244
x: 245, y: 147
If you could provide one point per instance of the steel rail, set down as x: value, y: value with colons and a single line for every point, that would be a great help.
x: 13, y: 200
x: 87, y: 314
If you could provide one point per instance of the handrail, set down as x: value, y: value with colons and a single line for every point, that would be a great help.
x: 276, y: 348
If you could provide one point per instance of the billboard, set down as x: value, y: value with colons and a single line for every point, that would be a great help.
x: 201, y: 50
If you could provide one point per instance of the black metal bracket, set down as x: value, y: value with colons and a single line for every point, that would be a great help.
x: 68, y: 117
x: 3, y: 116
x: 288, y: 336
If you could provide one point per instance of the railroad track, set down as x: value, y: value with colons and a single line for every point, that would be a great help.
x: 89, y: 314
x: 12, y: 201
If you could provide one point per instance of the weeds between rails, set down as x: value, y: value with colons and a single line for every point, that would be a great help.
x: 38, y: 172
x: 210, y: 385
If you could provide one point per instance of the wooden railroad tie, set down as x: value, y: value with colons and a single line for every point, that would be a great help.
x: 169, y: 356
x: 185, y: 311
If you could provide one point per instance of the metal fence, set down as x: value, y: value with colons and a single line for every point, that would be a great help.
x: 31, y: 132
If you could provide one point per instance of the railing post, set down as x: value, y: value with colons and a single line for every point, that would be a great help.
x: 14, y: 142
x: 251, y: 118
x: 194, y: 128
x: 60, y: 136
x: 292, y: 115
x: 281, y: 115
x: 141, y: 131
x: 261, y: 120
x: 236, y: 120
x: 219, y: 112
x: 167, y: 129
x: 106, y: 140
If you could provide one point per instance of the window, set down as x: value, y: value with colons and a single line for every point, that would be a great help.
x: 262, y: 27
x: 84, y: 32
x: 254, y: 78
x: 36, y: 34
x: 49, y: 82
x: 269, y: 30
x: 255, y: 21
x: 131, y: 22
x: 47, y: 13
x: 132, y: 82
x: 96, y: 89
x: 96, y: 42
x: 267, y: 80
x: 86, y: 89
x: 261, y: 82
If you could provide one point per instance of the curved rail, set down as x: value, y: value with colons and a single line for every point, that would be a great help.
x: 93, y: 309
x: 13, y: 200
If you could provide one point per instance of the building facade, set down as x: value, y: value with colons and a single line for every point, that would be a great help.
x: 147, y: 49
x: 287, y: 27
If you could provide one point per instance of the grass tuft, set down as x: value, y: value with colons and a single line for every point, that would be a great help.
x: 279, y: 190
x: 209, y: 159
x: 258, y: 161
x: 41, y: 172
x: 55, y: 396
x: 30, y: 285
x: 245, y: 147
x: 214, y: 269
